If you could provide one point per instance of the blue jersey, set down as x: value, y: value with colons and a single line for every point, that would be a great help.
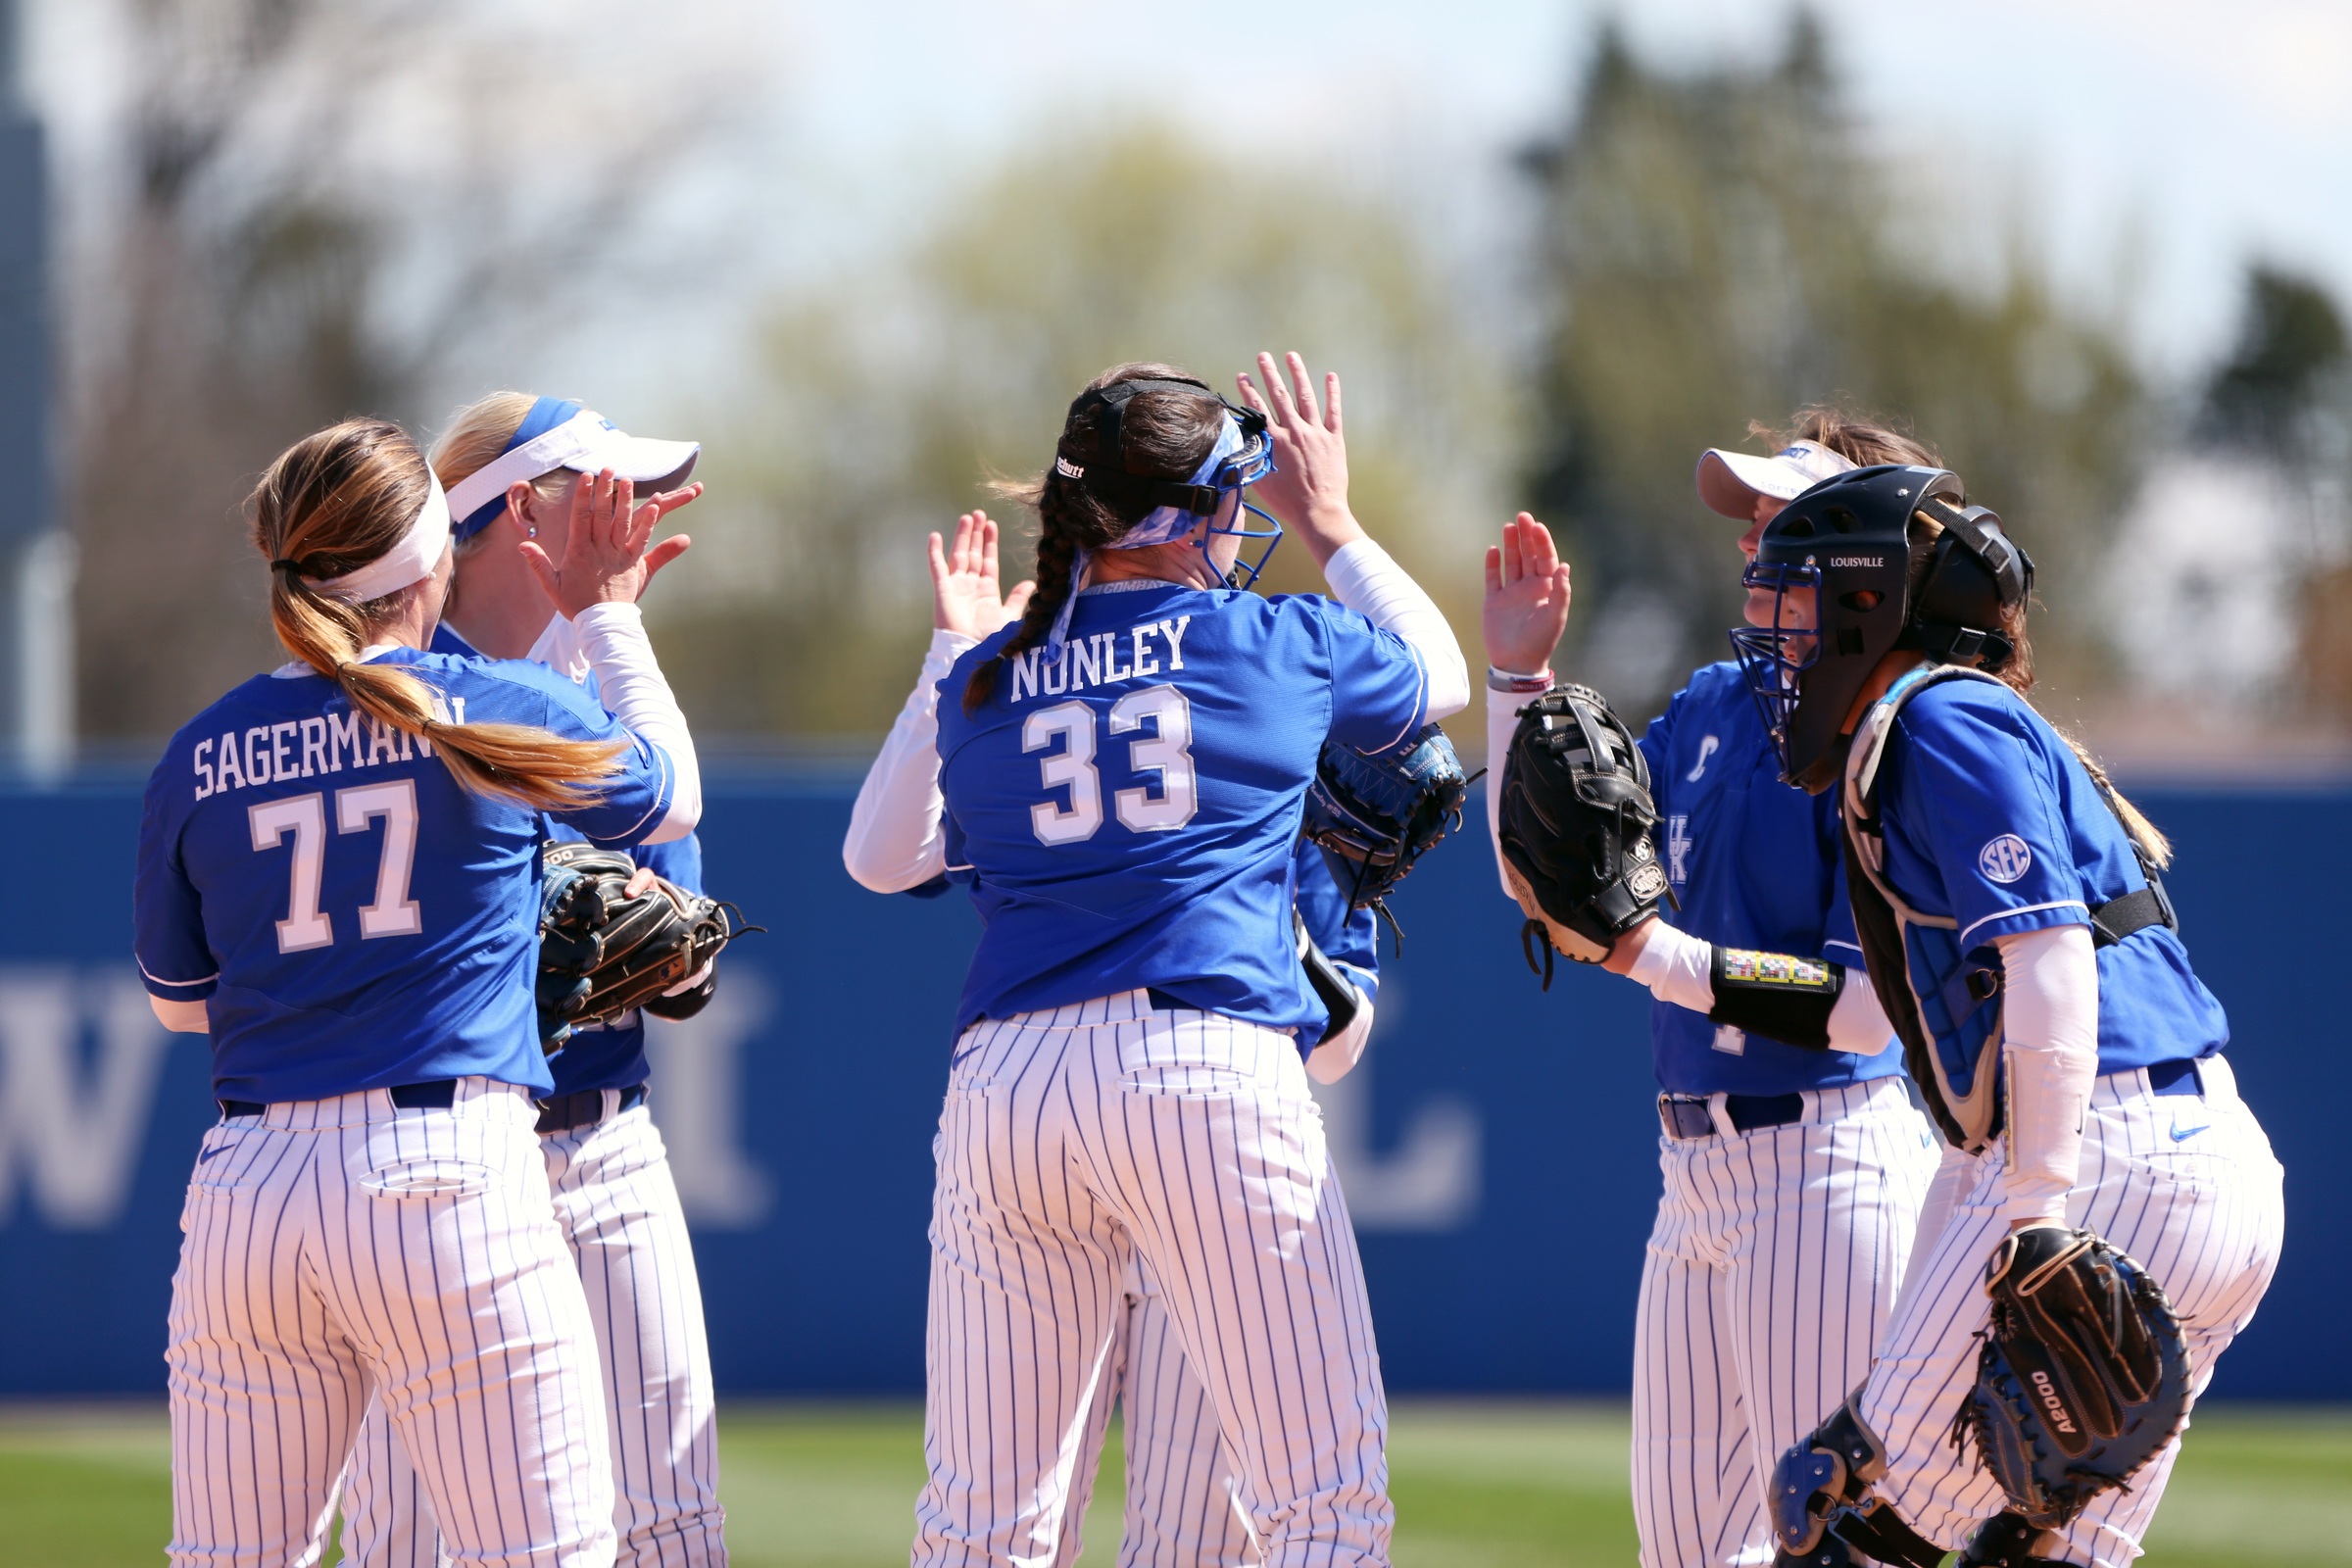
x: 602, y: 1056
x: 1991, y: 821
x: 1128, y: 816
x: 352, y: 918
x: 1755, y: 864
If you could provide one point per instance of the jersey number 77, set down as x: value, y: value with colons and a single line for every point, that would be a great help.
x: 393, y: 914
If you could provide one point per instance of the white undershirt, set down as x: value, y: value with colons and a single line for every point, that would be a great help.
x: 2050, y: 1034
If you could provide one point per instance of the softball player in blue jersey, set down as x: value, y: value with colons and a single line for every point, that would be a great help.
x: 1122, y: 773
x: 513, y: 465
x: 337, y: 881
x: 2018, y: 933
x: 1793, y: 1173
x: 1184, y: 1504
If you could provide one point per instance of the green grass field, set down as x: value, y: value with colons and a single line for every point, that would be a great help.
x: 1477, y: 1486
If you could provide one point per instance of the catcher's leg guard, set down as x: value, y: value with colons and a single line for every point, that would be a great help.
x: 2004, y: 1541
x: 1822, y: 1511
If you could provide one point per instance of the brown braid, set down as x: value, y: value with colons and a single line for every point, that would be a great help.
x: 1163, y: 435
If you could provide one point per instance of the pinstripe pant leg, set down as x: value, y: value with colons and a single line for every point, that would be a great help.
x: 266, y: 1386
x: 1110, y: 1392
x: 1814, y: 1280
x: 442, y: 1258
x: 1690, y: 1454
x: 1184, y: 1504
x: 619, y: 1208
x: 1202, y: 1134
x: 387, y: 1519
x: 2205, y: 1221
x: 1025, y: 1272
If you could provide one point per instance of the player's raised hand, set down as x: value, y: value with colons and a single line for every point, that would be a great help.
x: 1527, y: 598
x: 605, y: 558
x: 963, y: 581
x: 1308, y: 489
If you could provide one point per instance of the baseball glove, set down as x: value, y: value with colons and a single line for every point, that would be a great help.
x: 1373, y: 817
x: 602, y: 952
x: 1574, y: 822
x: 2083, y: 1378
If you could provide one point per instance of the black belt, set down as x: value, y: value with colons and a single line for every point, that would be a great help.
x: 561, y: 1114
x: 438, y: 1095
x: 2118, y: 918
x: 1684, y: 1116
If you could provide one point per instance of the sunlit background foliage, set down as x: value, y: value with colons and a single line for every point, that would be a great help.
x: 303, y: 210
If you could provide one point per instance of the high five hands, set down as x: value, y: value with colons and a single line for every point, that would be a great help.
x: 963, y: 582
x: 1308, y: 491
x: 606, y: 560
x: 1527, y: 598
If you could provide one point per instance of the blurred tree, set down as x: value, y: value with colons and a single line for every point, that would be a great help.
x: 2284, y: 397
x: 891, y: 393
x: 327, y: 205
x: 1722, y: 248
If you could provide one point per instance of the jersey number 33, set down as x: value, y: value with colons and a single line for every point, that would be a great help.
x: 1167, y: 752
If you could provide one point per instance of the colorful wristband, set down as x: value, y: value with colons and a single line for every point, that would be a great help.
x: 1502, y: 680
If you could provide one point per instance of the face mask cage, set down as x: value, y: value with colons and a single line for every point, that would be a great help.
x: 1773, y: 658
x: 1251, y: 464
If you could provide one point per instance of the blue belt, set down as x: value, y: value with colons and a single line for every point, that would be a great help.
x: 1685, y: 1116
x: 438, y: 1095
x: 2177, y: 1077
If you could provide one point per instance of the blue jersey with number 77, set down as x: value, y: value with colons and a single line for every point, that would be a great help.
x: 1126, y: 815
x: 350, y: 916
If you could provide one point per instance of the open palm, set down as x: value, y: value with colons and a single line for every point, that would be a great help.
x: 1527, y: 598
x: 963, y: 581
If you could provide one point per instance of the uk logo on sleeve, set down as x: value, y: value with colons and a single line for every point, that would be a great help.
x: 2004, y: 860
x: 1678, y: 850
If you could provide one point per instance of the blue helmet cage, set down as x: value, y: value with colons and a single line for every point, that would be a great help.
x: 1773, y: 658
x: 1244, y: 468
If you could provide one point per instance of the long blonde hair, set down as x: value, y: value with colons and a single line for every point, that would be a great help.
x: 330, y: 504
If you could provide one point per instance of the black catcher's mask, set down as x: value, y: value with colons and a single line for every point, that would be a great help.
x: 1847, y: 540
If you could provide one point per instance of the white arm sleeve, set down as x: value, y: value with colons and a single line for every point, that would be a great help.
x: 182, y: 1017
x: 895, y: 841
x: 1366, y: 580
x: 1501, y: 725
x: 1858, y: 1025
x: 630, y: 684
x: 2050, y: 1029
x: 1678, y: 968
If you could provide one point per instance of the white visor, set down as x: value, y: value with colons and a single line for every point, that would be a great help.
x: 410, y: 560
x: 586, y: 443
x: 1729, y: 482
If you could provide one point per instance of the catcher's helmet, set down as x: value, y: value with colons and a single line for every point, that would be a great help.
x: 1848, y: 540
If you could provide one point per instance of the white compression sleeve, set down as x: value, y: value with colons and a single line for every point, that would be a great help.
x: 1365, y: 578
x: 630, y: 684
x: 2050, y: 1028
x: 1678, y: 967
x: 1858, y: 1025
x: 895, y: 841
x: 1502, y: 723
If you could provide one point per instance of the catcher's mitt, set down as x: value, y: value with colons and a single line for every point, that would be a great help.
x: 1574, y: 822
x: 601, y: 952
x: 2083, y: 1378
x: 1373, y: 817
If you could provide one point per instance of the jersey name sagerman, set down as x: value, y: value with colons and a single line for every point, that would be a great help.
x: 307, y: 747
x: 1095, y: 661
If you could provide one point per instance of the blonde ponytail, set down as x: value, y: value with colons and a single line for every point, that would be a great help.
x: 329, y: 505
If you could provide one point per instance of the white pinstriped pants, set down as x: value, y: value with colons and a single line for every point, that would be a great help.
x: 1073, y: 1139
x: 1184, y: 1504
x: 1770, y: 1270
x: 619, y: 1208
x: 339, y: 1248
x: 2185, y: 1184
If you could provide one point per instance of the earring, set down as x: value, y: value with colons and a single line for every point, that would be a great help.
x: 534, y: 533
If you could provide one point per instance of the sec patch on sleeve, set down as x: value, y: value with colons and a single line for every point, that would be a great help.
x: 2004, y: 860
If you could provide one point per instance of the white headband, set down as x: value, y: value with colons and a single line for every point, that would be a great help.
x: 410, y: 560
x: 544, y: 452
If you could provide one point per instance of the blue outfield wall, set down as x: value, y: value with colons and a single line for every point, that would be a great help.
x: 1498, y: 1145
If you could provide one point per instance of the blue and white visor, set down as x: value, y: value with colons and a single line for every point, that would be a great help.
x: 1219, y: 472
x: 558, y: 433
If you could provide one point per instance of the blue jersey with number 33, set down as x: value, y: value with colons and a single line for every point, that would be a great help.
x: 1127, y: 815
x: 351, y: 917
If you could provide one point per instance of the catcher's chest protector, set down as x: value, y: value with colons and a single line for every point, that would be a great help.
x: 1958, y: 1078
